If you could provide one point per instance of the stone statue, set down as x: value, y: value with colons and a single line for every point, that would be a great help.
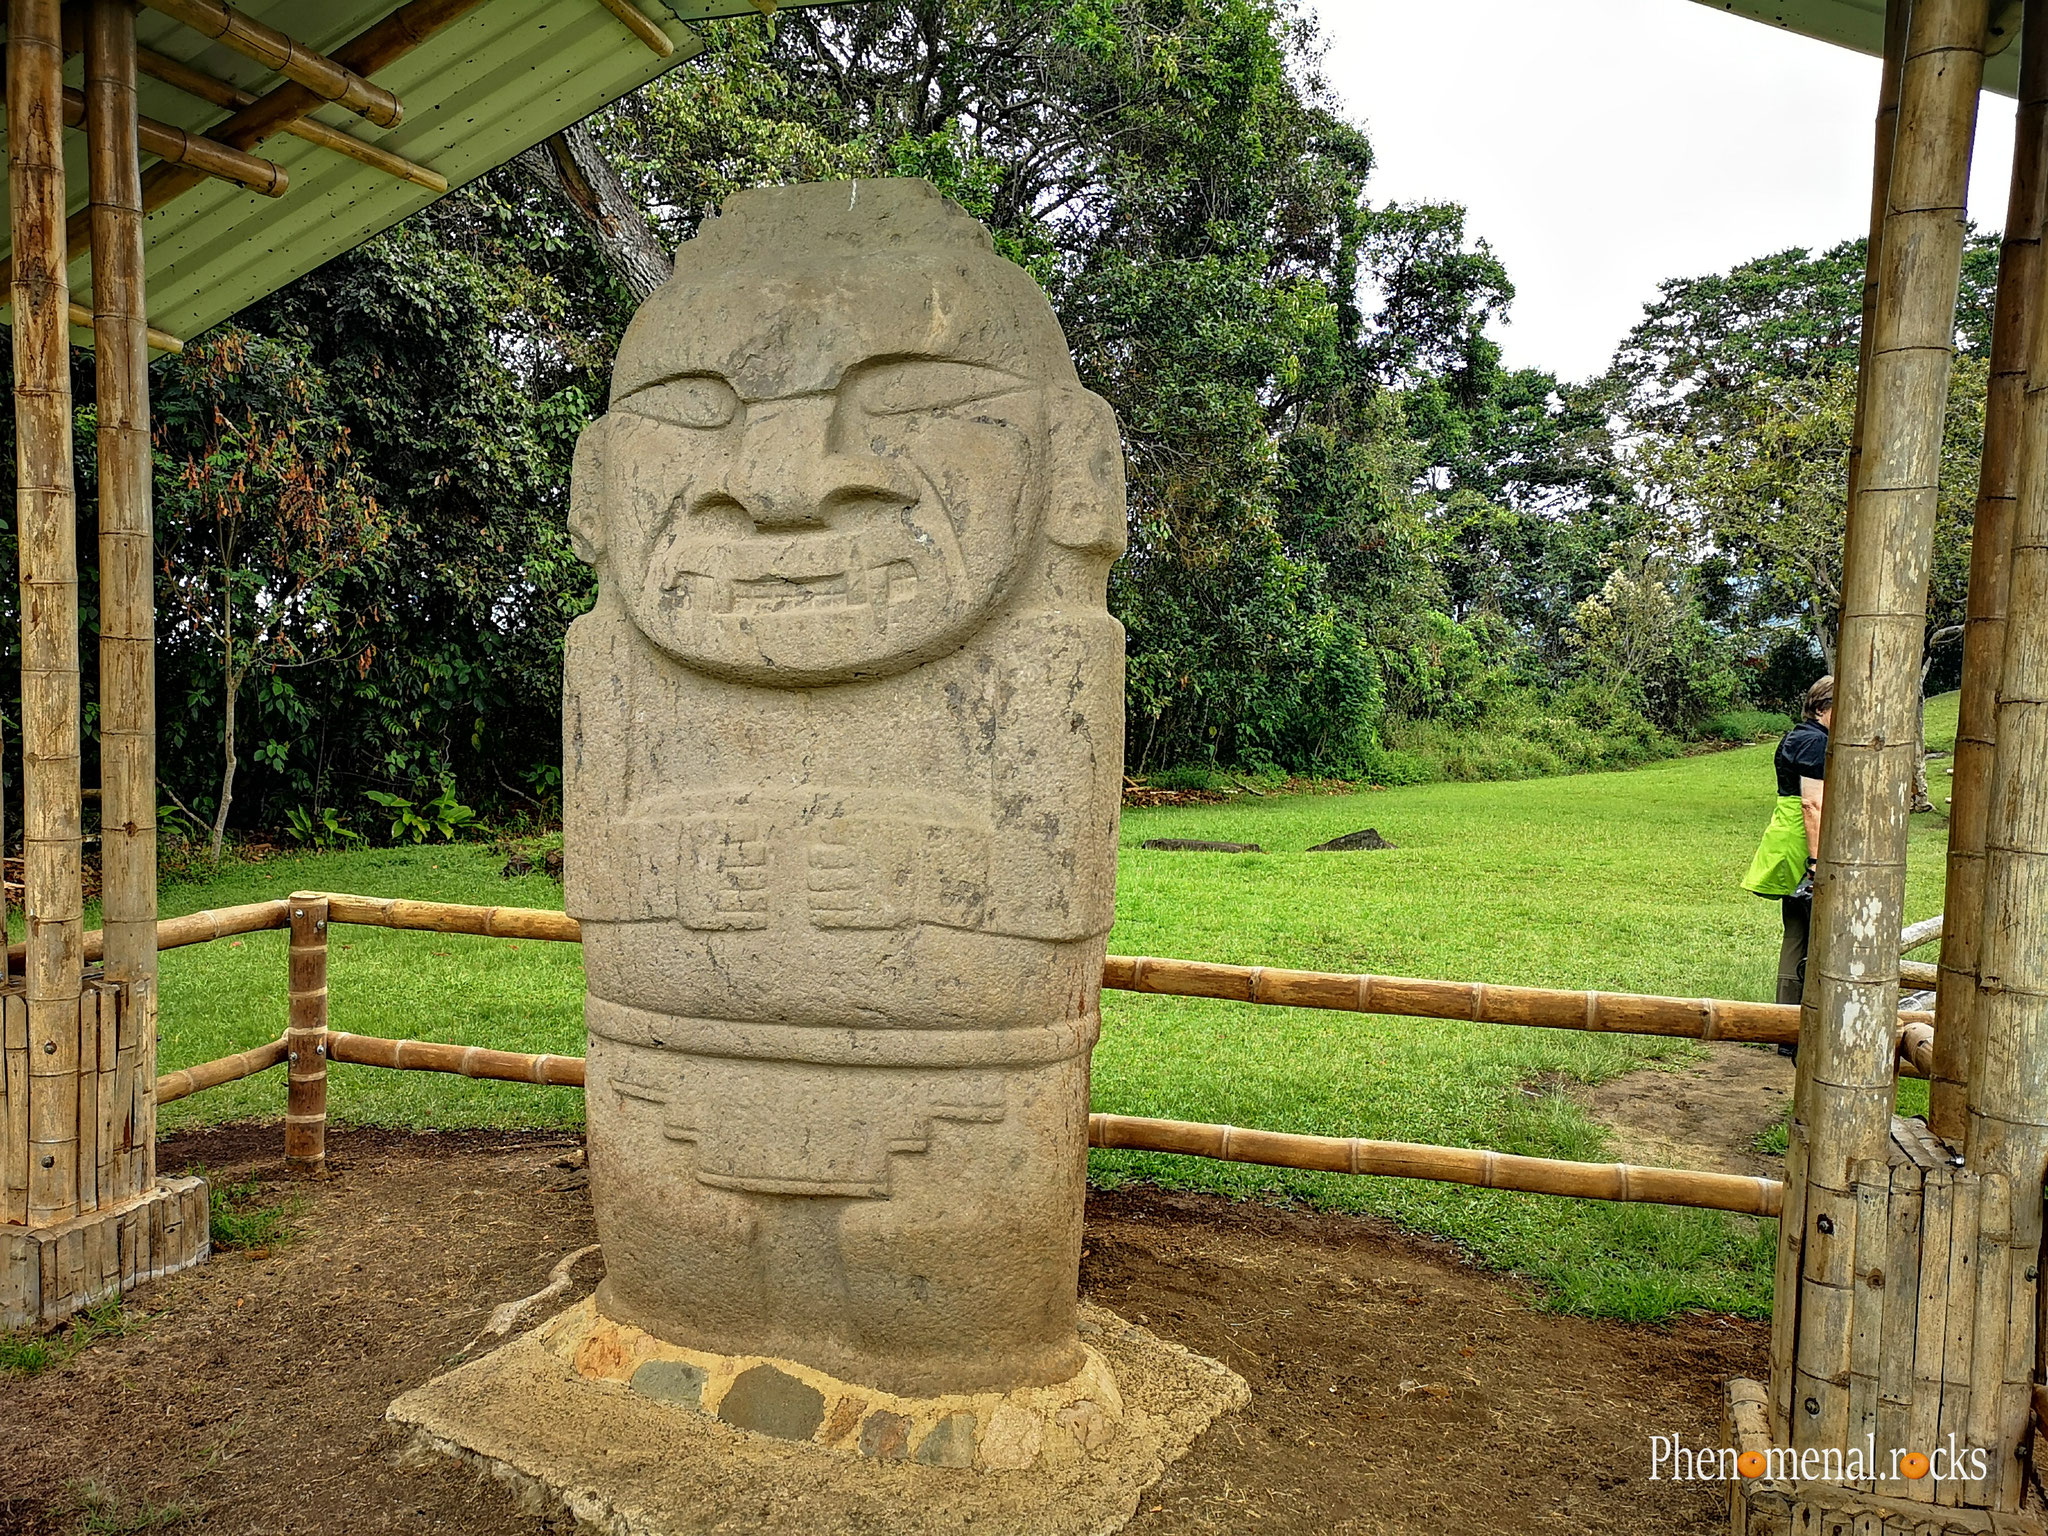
x: 844, y: 748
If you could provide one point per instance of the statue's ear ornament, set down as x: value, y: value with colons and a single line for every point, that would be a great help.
x: 1085, y: 483
x: 587, y: 493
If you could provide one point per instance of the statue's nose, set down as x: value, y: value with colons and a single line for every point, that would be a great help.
x: 789, y: 474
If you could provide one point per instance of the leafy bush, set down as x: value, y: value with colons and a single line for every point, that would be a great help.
x: 443, y: 815
x: 1742, y: 726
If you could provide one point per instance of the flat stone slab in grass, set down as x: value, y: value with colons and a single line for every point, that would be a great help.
x: 629, y: 1462
x: 1354, y: 842
x: 1196, y: 845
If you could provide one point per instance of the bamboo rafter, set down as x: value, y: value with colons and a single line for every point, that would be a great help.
x: 177, y: 147
x: 184, y: 77
x: 375, y: 48
x: 329, y: 79
x: 638, y: 24
x: 162, y: 341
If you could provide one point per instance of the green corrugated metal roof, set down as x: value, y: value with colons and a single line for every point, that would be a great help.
x: 1859, y: 24
x: 502, y: 78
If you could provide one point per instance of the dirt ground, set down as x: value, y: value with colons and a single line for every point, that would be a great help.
x: 1394, y: 1388
x: 1704, y: 1115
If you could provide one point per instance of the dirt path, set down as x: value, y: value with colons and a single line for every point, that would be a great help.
x: 1394, y: 1388
x: 1704, y: 1115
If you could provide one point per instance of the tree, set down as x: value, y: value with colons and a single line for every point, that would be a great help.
x: 260, y: 516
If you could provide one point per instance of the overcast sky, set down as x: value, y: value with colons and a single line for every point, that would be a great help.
x: 1603, y: 145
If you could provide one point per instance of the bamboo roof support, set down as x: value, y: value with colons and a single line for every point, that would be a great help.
x: 127, y: 694
x: 175, y: 72
x: 1847, y: 1071
x: 1791, y: 1224
x: 329, y: 79
x: 46, y: 529
x: 637, y: 23
x: 2008, y: 1085
x: 1984, y: 630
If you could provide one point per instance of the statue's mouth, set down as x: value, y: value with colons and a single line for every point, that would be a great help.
x: 859, y: 586
x: 807, y: 573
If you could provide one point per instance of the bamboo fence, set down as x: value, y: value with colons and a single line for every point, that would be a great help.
x: 310, y: 1044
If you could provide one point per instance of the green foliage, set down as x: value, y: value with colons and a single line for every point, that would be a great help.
x: 102, y: 1512
x: 443, y: 816
x: 322, y: 830
x: 31, y: 1351
x: 242, y: 1217
x: 1739, y: 727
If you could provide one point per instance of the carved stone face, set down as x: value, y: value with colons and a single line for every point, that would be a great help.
x: 816, y: 469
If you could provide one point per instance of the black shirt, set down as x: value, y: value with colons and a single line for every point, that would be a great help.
x: 1803, y: 754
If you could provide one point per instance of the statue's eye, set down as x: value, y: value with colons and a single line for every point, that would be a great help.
x: 696, y: 401
x: 901, y: 388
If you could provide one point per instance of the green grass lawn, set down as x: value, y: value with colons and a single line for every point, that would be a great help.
x: 1623, y: 881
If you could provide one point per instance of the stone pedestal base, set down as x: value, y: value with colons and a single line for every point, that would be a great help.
x: 1765, y: 1506
x: 637, y: 1438
x: 48, y: 1273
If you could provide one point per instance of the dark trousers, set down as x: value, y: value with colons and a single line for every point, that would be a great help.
x: 1798, y: 917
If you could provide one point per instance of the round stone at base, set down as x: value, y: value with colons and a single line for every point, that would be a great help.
x: 1028, y: 1427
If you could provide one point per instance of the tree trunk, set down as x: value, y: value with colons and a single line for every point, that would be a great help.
x: 1947, y: 634
x: 227, y: 773
x: 573, y: 167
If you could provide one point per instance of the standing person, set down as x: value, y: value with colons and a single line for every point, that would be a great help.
x: 1783, y: 866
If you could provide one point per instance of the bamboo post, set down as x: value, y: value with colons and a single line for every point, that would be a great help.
x: 305, y: 1117
x: 2008, y: 1087
x: 127, y: 563
x: 2019, y: 269
x: 1846, y: 1073
x: 44, y: 513
x: 1791, y: 1223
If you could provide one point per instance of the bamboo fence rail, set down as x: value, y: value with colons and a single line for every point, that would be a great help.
x: 1276, y: 1149
x: 1448, y: 1165
x: 1926, y: 931
x: 193, y: 928
x: 173, y: 1086
x: 462, y: 1060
